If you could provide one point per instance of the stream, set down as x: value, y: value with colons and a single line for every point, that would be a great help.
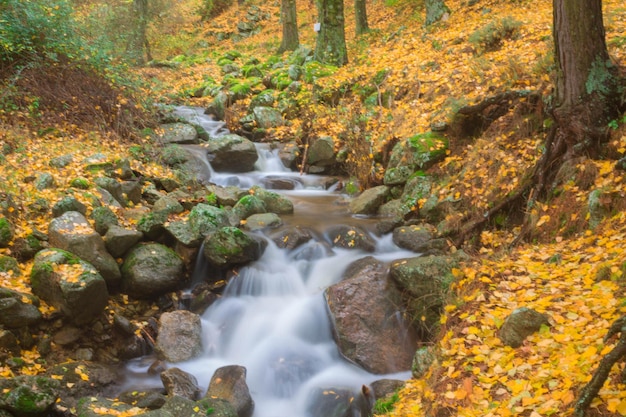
x: 272, y: 318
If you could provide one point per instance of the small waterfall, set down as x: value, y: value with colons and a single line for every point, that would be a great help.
x: 272, y: 317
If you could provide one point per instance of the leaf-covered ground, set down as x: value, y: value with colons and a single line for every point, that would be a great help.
x: 573, y: 273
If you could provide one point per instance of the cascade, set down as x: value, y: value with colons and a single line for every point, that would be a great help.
x: 272, y: 318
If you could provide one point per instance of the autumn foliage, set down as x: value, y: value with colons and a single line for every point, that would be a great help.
x: 402, y: 79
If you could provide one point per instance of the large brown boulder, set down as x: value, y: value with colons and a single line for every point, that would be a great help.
x: 367, y: 319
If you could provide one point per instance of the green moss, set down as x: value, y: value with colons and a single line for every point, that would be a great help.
x: 387, y: 404
x: 81, y: 183
x: 6, y: 232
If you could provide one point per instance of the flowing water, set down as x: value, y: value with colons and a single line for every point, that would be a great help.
x: 272, y: 318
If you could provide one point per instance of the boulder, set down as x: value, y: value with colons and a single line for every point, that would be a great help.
x: 232, y: 153
x: 103, y: 379
x: 68, y: 203
x: 424, y: 282
x: 262, y: 221
x: 337, y: 402
x: 73, y: 233
x: 419, y: 152
x: 179, y: 133
x: 229, y: 383
x: 70, y: 284
x: 367, y: 321
x: 150, y: 270
x: 27, y: 395
x: 414, y: 237
x: 292, y: 237
x: 267, y: 117
x: 230, y: 246
x: 179, y: 337
x: 114, y: 187
x: 205, y: 219
x: 249, y: 205
x: 18, y: 309
x: 422, y: 361
x: 274, y: 202
x: 119, y: 240
x: 369, y: 200
x: 103, y: 218
x: 6, y: 232
x: 351, y: 237
x: 321, y: 152
x: 520, y: 324
x: 178, y: 382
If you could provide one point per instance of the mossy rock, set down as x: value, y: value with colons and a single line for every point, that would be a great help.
x: 205, y: 219
x: 68, y: 203
x: 80, y: 183
x: 249, y: 205
x: 8, y: 263
x: 150, y: 270
x: 28, y: 395
x: 230, y: 246
x: 6, y: 232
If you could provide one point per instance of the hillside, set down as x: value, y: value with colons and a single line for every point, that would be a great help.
x: 573, y: 272
x: 572, y: 269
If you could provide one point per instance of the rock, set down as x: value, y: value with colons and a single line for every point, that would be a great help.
x: 26, y: 395
x: 291, y: 237
x: 168, y: 205
x: 6, y: 232
x: 229, y: 383
x: 205, y: 219
x: 73, y: 233
x: 15, y: 312
x: 351, y: 237
x: 61, y: 161
x: 150, y: 270
x: 419, y: 152
x: 10, y: 265
x: 94, y: 406
x: 181, y: 383
x: 68, y: 203
x: 521, y: 323
x: 9, y: 344
x: 262, y: 221
x: 179, y: 133
x: 386, y: 387
x: 25, y: 248
x: 424, y: 281
x: 414, y: 237
x: 179, y: 337
x: 70, y: 284
x: 119, y: 240
x: 152, y: 399
x: 232, y: 153
x: 369, y: 200
x: 367, y: 320
x: 230, y: 246
x: 152, y: 224
x: 267, y: 117
x: 422, y: 360
x: 177, y: 406
x: 106, y: 198
x: 45, y: 181
x: 274, y: 202
x: 114, y: 187
x: 249, y: 205
x: 102, y: 380
x: 132, y: 191
x: 321, y: 152
x: 103, y: 218
x: 227, y: 196
x: 333, y: 402
x: 182, y: 232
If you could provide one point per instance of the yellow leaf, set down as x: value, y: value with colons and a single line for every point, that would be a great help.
x: 621, y: 408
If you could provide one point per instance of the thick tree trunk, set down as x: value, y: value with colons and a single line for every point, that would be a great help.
x: 586, y: 83
x: 331, y: 39
x: 360, y: 15
x: 435, y: 10
x: 288, y: 16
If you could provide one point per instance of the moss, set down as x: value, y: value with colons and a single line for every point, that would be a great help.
x: 80, y: 183
x: 387, y: 404
x: 6, y: 232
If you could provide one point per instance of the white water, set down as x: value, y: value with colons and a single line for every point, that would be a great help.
x: 272, y: 318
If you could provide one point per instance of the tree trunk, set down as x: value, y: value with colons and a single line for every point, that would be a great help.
x: 138, y: 43
x: 360, y: 14
x: 435, y: 10
x: 331, y: 39
x: 290, y: 26
x: 586, y: 84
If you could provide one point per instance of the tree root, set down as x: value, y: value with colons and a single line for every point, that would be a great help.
x: 590, y: 391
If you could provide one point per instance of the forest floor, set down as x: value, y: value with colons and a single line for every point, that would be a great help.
x: 574, y: 270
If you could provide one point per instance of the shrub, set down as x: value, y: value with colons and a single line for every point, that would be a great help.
x: 29, y: 29
x: 213, y: 8
x: 490, y: 37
